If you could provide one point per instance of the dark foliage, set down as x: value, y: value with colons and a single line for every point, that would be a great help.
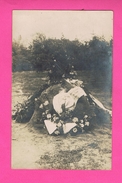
x: 59, y: 55
x: 25, y: 110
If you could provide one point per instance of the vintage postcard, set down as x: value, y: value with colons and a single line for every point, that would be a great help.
x: 62, y: 89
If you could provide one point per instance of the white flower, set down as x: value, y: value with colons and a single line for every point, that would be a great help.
x: 59, y: 124
x: 55, y: 118
x: 87, y: 123
x: 86, y: 116
x: 47, y: 111
x: 57, y: 132
x: 46, y: 103
x: 75, y: 119
x: 35, y: 99
x: 41, y: 106
x: 81, y: 121
x: 43, y: 114
x: 82, y: 125
x: 48, y: 116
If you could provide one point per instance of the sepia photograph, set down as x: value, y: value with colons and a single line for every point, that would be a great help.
x: 61, y: 90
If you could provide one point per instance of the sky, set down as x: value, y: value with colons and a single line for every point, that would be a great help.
x: 81, y: 25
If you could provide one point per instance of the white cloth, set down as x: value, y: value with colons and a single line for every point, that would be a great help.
x: 51, y: 126
x: 69, y: 99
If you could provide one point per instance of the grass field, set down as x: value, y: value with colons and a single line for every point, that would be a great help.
x: 35, y: 149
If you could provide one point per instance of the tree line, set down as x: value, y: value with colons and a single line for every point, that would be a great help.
x: 92, y: 56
